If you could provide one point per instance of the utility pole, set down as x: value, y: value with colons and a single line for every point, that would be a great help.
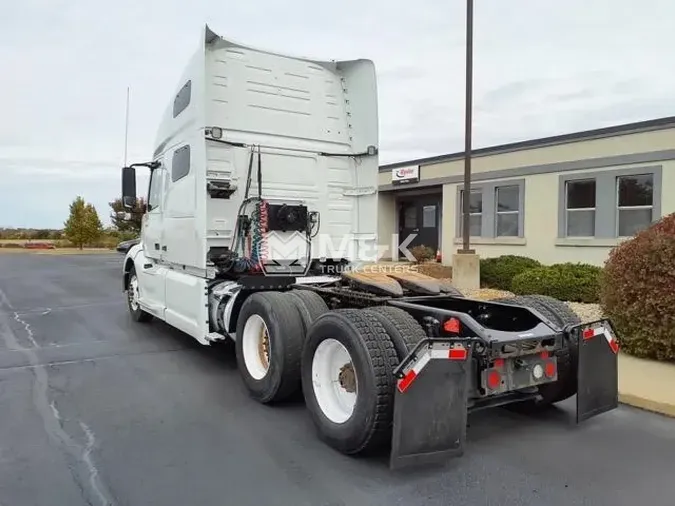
x: 466, y: 263
x: 466, y: 224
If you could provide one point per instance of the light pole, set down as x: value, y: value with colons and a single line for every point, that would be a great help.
x: 466, y: 232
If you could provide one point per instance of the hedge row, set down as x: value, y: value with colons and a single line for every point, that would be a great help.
x: 573, y: 282
x: 636, y: 287
x: 569, y: 282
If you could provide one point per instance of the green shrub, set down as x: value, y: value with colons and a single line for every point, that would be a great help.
x: 569, y: 282
x: 12, y: 245
x: 423, y: 253
x: 637, y: 291
x: 499, y: 272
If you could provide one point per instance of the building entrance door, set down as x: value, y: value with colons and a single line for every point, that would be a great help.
x: 420, y: 217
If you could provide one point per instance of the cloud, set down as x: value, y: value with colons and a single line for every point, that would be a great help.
x: 540, y: 68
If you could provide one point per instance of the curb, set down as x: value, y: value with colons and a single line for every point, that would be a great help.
x: 662, y: 408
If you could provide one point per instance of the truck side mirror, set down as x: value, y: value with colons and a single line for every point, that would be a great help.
x: 128, y: 187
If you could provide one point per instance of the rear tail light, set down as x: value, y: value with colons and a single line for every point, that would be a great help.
x: 457, y: 353
x: 550, y: 369
x: 494, y: 379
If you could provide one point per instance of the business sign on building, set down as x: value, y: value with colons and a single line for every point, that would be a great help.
x: 403, y: 175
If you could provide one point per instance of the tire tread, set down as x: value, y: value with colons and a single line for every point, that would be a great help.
x: 293, y: 338
x: 384, y: 359
x: 403, y: 330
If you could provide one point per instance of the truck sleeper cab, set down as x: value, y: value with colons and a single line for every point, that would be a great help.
x: 261, y: 160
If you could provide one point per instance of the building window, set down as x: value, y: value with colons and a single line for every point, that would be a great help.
x: 429, y: 216
x: 580, y: 208
x: 609, y: 204
x: 475, y: 213
x: 496, y: 210
x: 508, y: 211
x: 182, y: 99
x: 635, y: 203
x: 410, y: 217
x: 180, y: 165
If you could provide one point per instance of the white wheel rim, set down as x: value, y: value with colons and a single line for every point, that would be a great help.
x: 256, y: 347
x: 334, y: 380
x: 133, y: 293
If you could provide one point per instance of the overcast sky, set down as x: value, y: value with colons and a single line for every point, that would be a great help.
x: 542, y: 67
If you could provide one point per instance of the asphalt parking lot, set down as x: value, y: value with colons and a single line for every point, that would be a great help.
x: 98, y: 410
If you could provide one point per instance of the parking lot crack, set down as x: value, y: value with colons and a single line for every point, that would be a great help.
x: 78, y: 457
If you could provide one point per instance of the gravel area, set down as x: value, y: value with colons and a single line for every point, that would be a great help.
x: 486, y: 294
x: 587, y: 312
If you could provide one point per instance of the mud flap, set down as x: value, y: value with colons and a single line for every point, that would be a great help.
x: 597, y: 370
x: 430, y: 403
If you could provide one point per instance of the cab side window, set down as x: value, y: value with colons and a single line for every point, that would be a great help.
x: 155, y: 191
x: 180, y: 165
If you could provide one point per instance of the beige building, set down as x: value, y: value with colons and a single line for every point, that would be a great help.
x: 557, y: 199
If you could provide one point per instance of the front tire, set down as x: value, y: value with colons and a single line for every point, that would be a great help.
x: 347, y: 380
x: 133, y: 295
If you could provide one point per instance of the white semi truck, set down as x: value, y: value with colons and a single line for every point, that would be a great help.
x: 262, y: 198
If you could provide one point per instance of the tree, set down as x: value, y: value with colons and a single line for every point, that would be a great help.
x: 118, y: 220
x: 94, y: 225
x: 83, y: 225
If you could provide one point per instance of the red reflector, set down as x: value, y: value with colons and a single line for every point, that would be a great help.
x: 407, y: 380
x: 549, y: 369
x: 614, y: 345
x: 498, y: 363
x: 544, y: 355
x: 457, y: 353
x: 494, y: 379
x: 589, y: 333
x: 451, y: 326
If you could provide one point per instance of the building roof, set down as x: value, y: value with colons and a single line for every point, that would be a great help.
x: 598, y: 133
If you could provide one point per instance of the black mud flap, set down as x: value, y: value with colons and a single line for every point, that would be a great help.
x: 430, y: 404
x: 598, y: 370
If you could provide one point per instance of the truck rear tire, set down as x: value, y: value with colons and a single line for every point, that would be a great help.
x: 309, y: 304
x: 137, y: 314
x: 403, y: 329
x: 347, y: 380
x: 268, y: 347
x: 561, y: 315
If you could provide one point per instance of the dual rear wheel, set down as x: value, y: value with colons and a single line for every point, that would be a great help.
x: 342, y: 361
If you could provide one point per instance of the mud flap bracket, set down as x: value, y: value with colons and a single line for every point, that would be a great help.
x: 430, y: 403
x: 597, y: 369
